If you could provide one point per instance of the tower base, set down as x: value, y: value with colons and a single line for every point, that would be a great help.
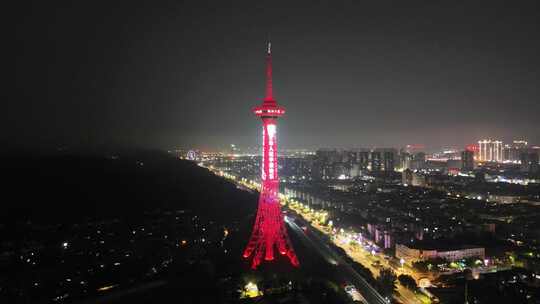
x: 269, y: 233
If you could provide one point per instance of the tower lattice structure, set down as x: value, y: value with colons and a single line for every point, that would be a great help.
x: 269, y: 232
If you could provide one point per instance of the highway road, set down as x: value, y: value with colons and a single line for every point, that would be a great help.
x: 347, y: 272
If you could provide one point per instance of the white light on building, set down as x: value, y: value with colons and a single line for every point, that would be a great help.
x: 490, y: 150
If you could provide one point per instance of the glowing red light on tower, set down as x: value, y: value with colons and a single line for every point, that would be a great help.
x: 269, y: 232
x: 473, y: 148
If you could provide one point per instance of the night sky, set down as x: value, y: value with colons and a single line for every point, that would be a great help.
x: 350, y: 73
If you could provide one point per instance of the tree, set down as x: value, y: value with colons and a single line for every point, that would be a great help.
x: 471, y: 262
x: 438, y: 261
x: 387, y: 282
x: 421, y: 266
x: 429, y: 265
x: 408, y: 281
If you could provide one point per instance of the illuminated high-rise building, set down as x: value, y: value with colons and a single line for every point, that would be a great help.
x: 387, y: 240
x: 405, y: 159
x: 418, y: 161
x: 490, y: 150
x: 475, y: 149
x: 529, y: 161
x: 363, y: 160
x: 512, y: 152
x: 467, y: 160
x: 376, y: 161
x: 389, y: 159
x: 269, y: 232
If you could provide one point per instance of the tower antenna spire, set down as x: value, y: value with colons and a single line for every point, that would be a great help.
x: 269, y: 90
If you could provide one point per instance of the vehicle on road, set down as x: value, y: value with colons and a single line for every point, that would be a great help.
x: 354, y: 294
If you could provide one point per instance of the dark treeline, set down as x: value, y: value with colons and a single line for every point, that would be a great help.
x: 65, y: 188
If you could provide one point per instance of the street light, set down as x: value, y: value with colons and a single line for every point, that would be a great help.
x: 251, y: 290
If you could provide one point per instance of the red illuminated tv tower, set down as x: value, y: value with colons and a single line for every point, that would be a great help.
x: 269, y: 232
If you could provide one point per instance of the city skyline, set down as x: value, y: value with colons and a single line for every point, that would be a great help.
x: 393, y: 74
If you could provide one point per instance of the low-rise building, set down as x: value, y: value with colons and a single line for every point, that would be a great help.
x: 411, y: 254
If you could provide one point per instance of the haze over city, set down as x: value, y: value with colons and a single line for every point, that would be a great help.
x: 355, y: 74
